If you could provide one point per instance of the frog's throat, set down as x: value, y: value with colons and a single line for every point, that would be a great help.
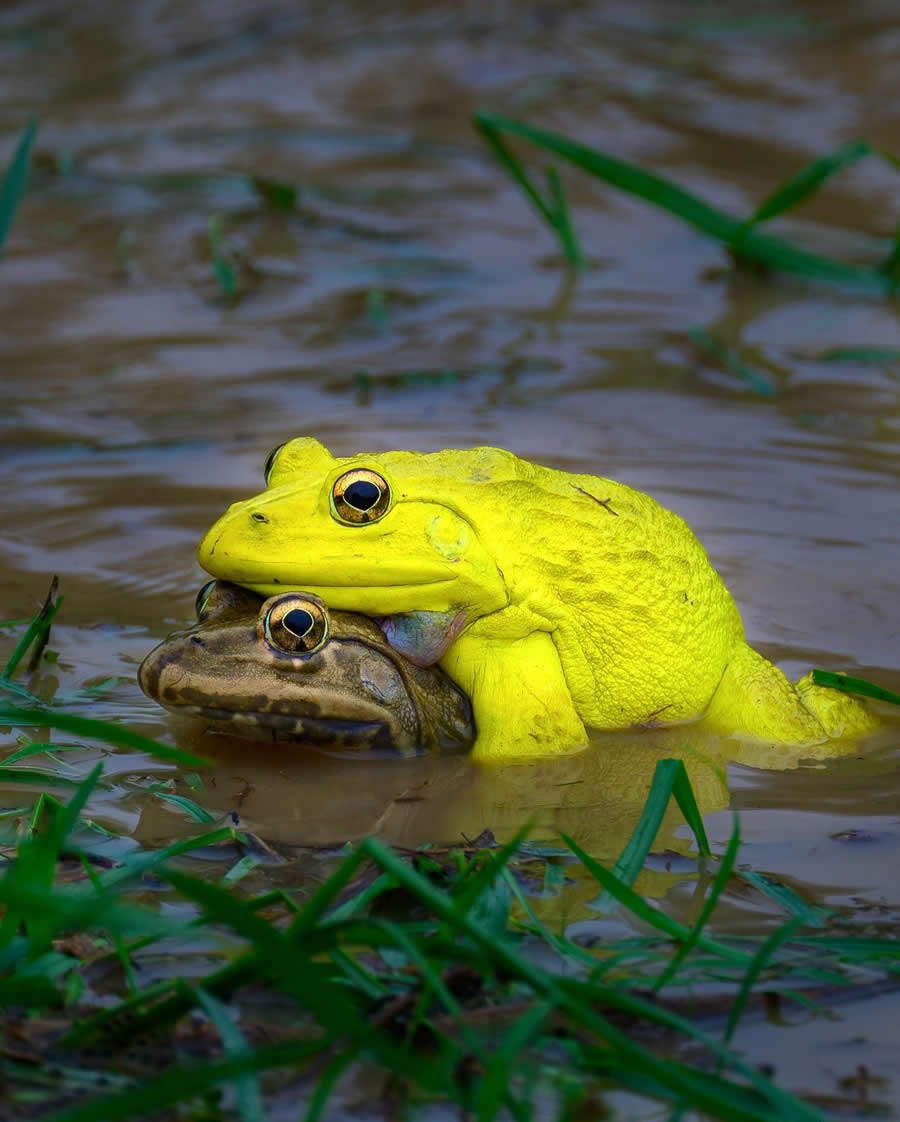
x: 423, y: 637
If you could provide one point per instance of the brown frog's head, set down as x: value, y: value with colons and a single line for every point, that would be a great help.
x: 287, y: 668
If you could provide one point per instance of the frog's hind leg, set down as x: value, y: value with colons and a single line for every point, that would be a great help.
x: 755, y: 699
x: 520, y: 698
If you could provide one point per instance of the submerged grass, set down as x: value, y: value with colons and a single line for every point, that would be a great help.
x: 12, y: 185
x: 743, y: 238
x: 732, y: 361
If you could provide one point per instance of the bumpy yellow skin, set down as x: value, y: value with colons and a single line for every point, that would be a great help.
x: 585, y: 602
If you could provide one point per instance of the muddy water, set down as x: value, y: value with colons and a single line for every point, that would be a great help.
x: 411, y: 299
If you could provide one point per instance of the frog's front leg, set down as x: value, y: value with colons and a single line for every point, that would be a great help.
x: 520, y: 699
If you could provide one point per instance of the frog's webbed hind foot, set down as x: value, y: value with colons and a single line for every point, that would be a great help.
x: 838, y: 713
x: 755, y: 699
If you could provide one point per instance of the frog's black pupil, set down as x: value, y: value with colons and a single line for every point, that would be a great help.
x: 361, y: 494
x: 298, y: 622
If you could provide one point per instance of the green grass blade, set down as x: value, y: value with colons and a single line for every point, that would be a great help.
x: 710, y: 1094
x: 762, y: 956
x: 731, y: 361
x: 224, y: 269
x: 137, y: 865
x: 433, y: 982
x: 854, y: 948
x: 275, y: 193
x: 476, y: 884
x: 563, y: 219
x: 328, y: 1079
x: 97, y: 730
x: 37, y: 748
x: 491, y: 133
x: 50, y: 777
x: 249, y: 966
x: 298, y: 971
x: 627, y: 177
x: 494, y: 1083
x: 807, y: 181
x: 36, y: 633
x: 860, y: 354
x: 723, y: 873
x: 121, y: 949
x: 642, y: 910
x: 68, y: 817
x: 748, y: 244
x: 784, y: 897
x: 362, y: 980
x: 18, y: 691
x: 677, y: 1081
x: 890, y: 266
x: 308, y: 981
x: 669, y: 778
x: 555, y: 213
x: 398, y: 936
x: 12, y: 187
x: 567, y: 950
x: 889, y: 157
x: 75, y: 911
x: 631, y: 860
x: 325, y: 895
x: 34, y: 993
x: 36, y: 863
x: 192, y: 809
x: 854, y: 685
x: 181, y: 1083
x: 683, y: 794
x: 235, y: 1046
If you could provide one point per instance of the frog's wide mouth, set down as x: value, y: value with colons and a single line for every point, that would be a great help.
x: 307, y: 728
x: 333, y: 573
x: 383, y: 581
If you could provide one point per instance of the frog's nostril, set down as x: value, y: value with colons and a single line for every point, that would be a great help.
x: 258, y: 517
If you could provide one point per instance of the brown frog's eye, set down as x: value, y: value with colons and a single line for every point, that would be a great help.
x: 270, y: 461
x: 201, y: 604
x: 296, y: 624
x: 360, y: 496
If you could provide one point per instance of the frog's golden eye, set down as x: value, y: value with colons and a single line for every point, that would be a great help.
x: 270, y: 460
x: 201, y: 604
x: 360, y: 496
x: 296, y: 624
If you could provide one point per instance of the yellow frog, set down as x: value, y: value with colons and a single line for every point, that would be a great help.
x: 554, y: 600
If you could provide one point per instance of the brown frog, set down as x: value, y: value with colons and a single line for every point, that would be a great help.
x: 287, y: 668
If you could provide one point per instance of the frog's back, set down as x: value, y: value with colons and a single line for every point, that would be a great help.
x: 643, y: 623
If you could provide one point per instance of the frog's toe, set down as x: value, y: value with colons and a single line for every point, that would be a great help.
x: 838, y: 713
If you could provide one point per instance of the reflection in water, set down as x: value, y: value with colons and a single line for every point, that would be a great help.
x: 308, y: 798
